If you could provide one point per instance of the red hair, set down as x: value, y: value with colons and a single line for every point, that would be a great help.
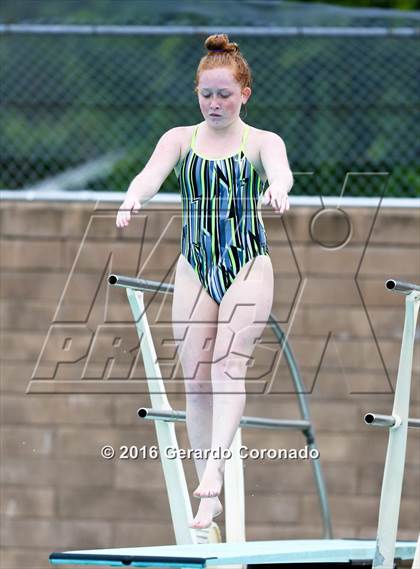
x: 223, y: 53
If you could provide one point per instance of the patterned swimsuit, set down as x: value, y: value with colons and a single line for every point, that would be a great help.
x: 222, y: 228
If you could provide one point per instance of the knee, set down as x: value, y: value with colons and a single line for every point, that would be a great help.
x: 229, y: 368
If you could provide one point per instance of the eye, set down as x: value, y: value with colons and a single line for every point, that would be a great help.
x: 225, y: 96
x: 206, y: 96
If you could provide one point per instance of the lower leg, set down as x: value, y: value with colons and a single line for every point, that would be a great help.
x: 229, y: 398
x: 199, y: 411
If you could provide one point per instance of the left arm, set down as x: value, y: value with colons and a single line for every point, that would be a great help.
x: 276, y: 166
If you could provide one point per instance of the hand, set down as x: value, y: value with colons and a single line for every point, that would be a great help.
x: 277, y: 198
x: 124, y: 213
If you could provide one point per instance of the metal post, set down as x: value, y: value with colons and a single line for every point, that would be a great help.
x: 392, y: 482
x: 173, y: 470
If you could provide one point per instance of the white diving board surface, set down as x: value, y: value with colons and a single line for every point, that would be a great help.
x: 250, y: 552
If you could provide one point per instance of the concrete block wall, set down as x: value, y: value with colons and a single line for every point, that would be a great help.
x: 344, y: 327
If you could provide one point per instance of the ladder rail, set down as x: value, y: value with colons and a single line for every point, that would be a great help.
x: 173, y: 470
x: 398, y: 423
x: 256, y: 422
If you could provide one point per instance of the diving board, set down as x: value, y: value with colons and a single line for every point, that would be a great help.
x: 251, y: 552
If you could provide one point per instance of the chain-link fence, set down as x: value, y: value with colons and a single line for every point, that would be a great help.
x: 83, y: 107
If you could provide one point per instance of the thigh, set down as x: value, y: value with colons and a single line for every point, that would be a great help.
x: 194, y: 322
x: 244, y: 311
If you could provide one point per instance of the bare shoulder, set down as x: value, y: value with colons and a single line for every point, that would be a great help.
x: 181, y: 134
x: 176, y: 134
x: 265, y: 137
x: 184, y: 135
x: 175, y: 140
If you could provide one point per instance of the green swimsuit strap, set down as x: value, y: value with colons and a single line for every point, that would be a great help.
x: 244, y: 138
x: 194, y: 136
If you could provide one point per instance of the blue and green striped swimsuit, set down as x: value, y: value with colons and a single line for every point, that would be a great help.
x: 222, y: 228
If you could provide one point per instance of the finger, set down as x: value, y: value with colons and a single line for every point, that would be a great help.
x: 123, y: 218
x: 284, y: 204
x: 276, y: 204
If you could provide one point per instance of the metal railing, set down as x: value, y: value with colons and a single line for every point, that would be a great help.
x: 398, y: 424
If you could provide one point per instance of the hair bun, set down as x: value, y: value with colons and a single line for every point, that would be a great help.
x: 223, y: 53
x: 220, y: 42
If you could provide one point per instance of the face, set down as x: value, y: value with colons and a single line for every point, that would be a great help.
x: 220, y: 96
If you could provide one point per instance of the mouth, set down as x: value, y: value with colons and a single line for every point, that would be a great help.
x: 214, y: 115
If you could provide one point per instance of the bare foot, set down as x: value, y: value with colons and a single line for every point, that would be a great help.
x: 211, y: 483
x: 208, y: 509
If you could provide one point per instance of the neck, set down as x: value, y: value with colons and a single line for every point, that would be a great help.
x: 227, y: 131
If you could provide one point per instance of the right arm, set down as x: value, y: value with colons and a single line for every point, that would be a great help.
x: 148, y: 182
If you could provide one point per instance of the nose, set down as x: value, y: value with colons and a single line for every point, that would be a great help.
x: 214, y: 102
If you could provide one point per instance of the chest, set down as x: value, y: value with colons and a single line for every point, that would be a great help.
x: 251, y: 151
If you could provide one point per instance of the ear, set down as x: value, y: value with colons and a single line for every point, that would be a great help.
x: 246, y: 93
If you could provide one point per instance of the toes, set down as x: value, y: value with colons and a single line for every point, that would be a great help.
x: 212, y: 493
x: 200, y: 525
